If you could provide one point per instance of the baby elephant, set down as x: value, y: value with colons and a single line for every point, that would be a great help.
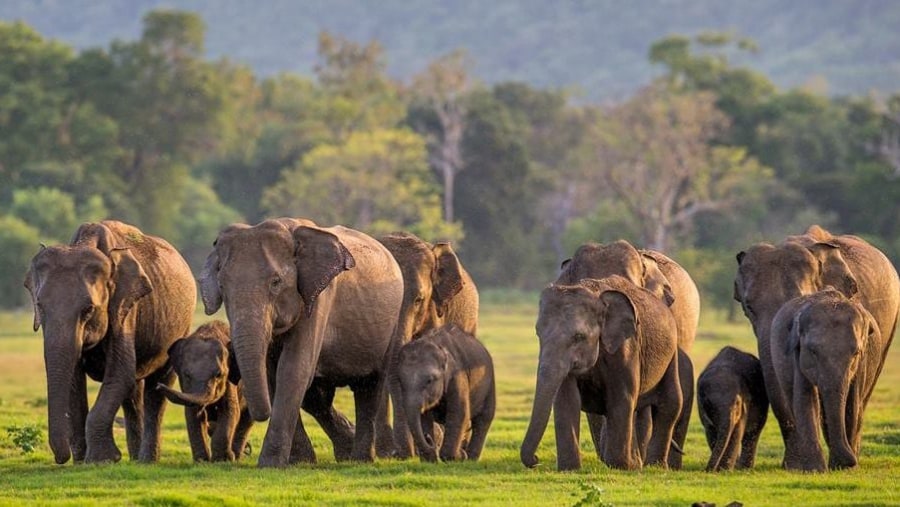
x: 733, y: 408
x: 210, y: 392
x: 447, y: 376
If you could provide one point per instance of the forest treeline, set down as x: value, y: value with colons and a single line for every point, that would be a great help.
x: 699, y: 163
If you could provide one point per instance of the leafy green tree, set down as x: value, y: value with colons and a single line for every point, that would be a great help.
x: 201, y: 216
x: 49, y: 210
x: 18, y: 243
x: 375, y: 181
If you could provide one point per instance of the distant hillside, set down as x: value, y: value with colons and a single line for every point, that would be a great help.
x: 598, y: 46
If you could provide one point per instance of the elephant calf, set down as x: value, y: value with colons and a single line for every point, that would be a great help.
x: 447, y: 376
x: 210, y: 393
x: 733, y: 408
x: 826, y: 352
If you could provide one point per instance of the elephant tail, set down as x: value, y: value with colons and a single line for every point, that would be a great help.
x: 675, y: 447
x: 725, y: 438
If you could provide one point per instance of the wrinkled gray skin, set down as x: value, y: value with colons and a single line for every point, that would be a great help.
x: 311, y: 309
x: 826, y: 355
x: 733, y: 407
x: 447, y: 377
x: 768, y: 276
x: 608, y: 347
x: 437, y: 291
x: 670, y: 283
x: 213, y: 403
x: 111, y: 303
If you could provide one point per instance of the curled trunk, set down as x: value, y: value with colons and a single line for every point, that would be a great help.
x: 189, y: 399
x: 424, y: 444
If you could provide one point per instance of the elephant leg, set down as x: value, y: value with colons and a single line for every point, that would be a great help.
x: 301, y: 447
x: 197, y: 428
x: 384, y: 437
x: 779, y: 401
x: 567, y: 422
x: 749, y: 442
x: 118, y: 385
x: 319, y: 402
x: 133, y: 408
x: 597, y: 425
x: 665, y: 416
x: 735, y: 446
x: 643, y: 430
x: 480, y: 426
x: 154, y: 410
x: 807, y: 454
x: 457, y: 420
x: 78, y: 413
x: 239, y: 444
x: 617, y: 452
x: 226, y: 423
x: 366, y: 394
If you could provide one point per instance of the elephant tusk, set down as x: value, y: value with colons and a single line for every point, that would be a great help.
x: 677, y: 448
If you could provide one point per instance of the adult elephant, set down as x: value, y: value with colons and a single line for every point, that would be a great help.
x: 670, y: 283
x: 111, y: 302
x: 607, y: 347
x: 437, y: 291
x: 769, y: 275
x: 311, y: 309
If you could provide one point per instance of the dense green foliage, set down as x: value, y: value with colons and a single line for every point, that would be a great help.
x: 598, y: 46
x: 507, y: 329
x: 700, y: 162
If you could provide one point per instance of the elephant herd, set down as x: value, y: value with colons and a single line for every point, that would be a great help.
x: 312, y: 308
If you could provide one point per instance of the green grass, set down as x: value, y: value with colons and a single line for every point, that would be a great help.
x: 507, y: 328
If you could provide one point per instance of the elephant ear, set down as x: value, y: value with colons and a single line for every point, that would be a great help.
x: 655, y: 281
x: 320, y: 256
x: 620, y: 321
x: 835, y: 271
x: 96, y: 235
x: 565, y: 271
x: 795, y: 330
x: 174, y: 353
x: 33, y: 285
x: 131, y: 283
x: 209, y: 282
x: 446, y: 277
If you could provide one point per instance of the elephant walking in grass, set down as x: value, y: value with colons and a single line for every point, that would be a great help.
x: 768, y: 276
x: 826, y: 352
x: 447, y: 377
x: 211, y: 394
x: 311, y: 309
x: 608, y: 347
x: 111, y: 303
x: 667, y: 280
x: 437, y: 291
x: 733, y: 406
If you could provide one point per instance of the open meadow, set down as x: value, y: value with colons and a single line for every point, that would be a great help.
x: 507, y: 329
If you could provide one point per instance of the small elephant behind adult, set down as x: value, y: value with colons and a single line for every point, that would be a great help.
x: 447, y: 377
x: 826, y: 351
x: 733, y: 408
x: 210, y: 392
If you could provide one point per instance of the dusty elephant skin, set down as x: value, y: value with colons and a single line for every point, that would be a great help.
x: 311, y: 309
x: 111, y: 303
x: 437, y: 291
x: 608, y: 347
x: 733, y: 407
x: 768, y: 276
x: 447, y: 377
x: 826, y: 352
x: 213, y: 403
x: 670, y: 283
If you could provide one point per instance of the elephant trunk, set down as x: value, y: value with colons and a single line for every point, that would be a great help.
x: 548, y: 383
x: 425, y: 445
x: 834, y: 405
x: 61, y: 354
x: 190, y: 399
x: 251, y: 350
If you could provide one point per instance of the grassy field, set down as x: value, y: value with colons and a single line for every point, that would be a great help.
x: 507, y: 328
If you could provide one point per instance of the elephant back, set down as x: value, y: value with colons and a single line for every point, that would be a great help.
x: 686, y: 306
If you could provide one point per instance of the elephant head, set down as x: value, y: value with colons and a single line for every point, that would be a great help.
x: 576, y: 324
x: 269, y: 276
x: 597, y: 261
x: 80, y: 293
x: 432, y: 277
x: 829, y: 338
x: 204, y: 366
x: 768, y: 276
x: 424, y: 371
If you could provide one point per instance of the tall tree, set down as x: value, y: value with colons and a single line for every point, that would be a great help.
x: 442, y: 87
x: 655, y: 156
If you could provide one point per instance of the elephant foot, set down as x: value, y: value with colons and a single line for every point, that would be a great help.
x: 364, y: 455
x: 804, y: 465
x: 343, y: 452
x: 272, y: 462
x: 453, y: 456
x: 103, y: 453
x: 841, y: 463
x: 530, y: 460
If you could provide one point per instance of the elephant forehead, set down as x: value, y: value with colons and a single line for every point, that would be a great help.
x: 72, y: 258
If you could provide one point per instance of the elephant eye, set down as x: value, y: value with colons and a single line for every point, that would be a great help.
x: 87, y: 312
x: 276, y: 283
x: 579, y: 337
